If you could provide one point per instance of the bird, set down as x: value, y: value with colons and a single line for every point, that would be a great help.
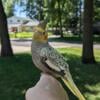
x: 49, y: 60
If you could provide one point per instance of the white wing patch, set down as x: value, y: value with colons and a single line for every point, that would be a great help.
x: 44, y: 52
x: 52, y: 65
x: 54, y: 59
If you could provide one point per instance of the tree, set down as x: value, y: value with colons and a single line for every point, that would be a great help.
x: 87, y: 54
x: 34, y: 8
x: 9, y: 7
x: 56, y: 11
x: 4, y: 36
x: 96, y: 10
x: 60, y: 17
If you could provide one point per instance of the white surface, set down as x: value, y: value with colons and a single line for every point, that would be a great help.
x: 47, y: 88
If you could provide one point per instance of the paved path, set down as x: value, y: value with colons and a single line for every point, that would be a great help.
x: 24, y: 45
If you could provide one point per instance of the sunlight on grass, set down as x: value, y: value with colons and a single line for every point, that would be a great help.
x: 95, y: 92
x: 24, y: 35
x: 76, y: 51
x: 87, y: 76
x: 21, y: 35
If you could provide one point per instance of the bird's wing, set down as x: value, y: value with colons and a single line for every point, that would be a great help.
x: 55, y: 61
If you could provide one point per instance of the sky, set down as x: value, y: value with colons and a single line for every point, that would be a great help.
x: 19, y: 11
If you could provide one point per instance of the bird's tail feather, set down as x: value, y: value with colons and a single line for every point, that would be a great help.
x: 73, y: 88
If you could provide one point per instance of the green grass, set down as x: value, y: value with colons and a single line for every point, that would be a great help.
x: 24, y: 35
x: 17, y: 74
x: 74, y: 39
x: 21, y: 35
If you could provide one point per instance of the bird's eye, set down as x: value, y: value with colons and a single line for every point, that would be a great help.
x: 43, y: 33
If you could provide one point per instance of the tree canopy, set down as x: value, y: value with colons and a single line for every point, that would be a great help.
x: 9, y: 7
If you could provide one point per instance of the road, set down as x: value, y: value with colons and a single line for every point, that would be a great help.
x: 24, y: 45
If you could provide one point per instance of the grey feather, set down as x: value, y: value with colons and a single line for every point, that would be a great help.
x: 53, y: 59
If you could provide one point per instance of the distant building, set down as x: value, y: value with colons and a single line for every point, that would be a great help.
x: 19, y: 24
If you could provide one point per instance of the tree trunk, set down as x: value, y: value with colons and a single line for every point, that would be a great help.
x: 87, y: 53
x: 80, y: 19
x: 6, y: 49
x: 60, y: 18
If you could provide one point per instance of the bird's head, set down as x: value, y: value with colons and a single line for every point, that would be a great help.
x: 40, y: 34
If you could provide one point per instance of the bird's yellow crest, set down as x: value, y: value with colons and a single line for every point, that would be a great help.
x: 39, y: 29
x: 40, y: 35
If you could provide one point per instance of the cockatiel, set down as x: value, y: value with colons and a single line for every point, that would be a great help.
x: 49, y: 61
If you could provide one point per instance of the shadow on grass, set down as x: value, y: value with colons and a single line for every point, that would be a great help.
x: 17, y: 74
x: 66, y: 39
x: 85, y: 76
x: 73, y: 39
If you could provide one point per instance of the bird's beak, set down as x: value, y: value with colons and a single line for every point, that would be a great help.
x: 71, y: 85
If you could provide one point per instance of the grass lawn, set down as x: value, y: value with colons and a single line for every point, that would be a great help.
x: 23, y: 35
x: 17, y: 74
x: 75, y: 39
